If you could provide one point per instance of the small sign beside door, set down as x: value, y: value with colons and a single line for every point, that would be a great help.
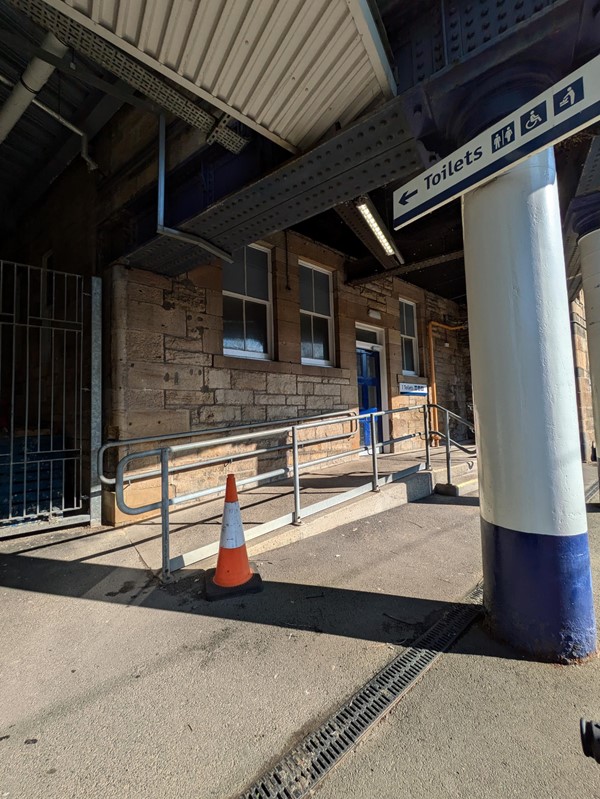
x: 414, y: 389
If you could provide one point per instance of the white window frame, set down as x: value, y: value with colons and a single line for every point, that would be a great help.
x: 260, y: 356
x: 414, y: 339
x: 330, y: 325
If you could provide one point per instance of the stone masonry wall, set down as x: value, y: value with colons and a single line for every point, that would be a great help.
x: 582, y: 378
x: 169, y: 373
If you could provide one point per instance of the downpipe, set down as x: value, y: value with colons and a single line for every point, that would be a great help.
x: 92, y: 165
x: 30, y: 83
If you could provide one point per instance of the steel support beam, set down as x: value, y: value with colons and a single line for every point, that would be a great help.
x: 589, y: 184
x: 370, y: 153
x: 398, y: 271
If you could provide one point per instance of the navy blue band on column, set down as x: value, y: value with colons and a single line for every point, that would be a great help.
x: 538, y: 592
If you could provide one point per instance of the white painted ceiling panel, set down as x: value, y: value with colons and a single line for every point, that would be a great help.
x: 289, y: 68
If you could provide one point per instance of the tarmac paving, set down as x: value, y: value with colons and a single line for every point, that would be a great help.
x: 197, y: 525
x: 114, y: 686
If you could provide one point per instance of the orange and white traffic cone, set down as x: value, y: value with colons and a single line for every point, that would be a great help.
x: 233, y: 575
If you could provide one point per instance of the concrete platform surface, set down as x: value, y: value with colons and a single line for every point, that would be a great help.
x: 113, y: 686
x: 198, y: 524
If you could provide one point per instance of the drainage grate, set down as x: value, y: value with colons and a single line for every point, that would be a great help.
x: 300, y: 770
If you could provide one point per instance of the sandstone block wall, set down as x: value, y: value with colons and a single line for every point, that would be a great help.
x: 169, y: 374
x: 164, y: 368
x: 582, y: 378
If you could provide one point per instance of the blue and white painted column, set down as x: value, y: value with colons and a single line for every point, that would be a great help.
x: 537, y: 582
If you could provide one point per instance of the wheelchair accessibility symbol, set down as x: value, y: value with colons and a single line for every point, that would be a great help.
x: 533, y: 118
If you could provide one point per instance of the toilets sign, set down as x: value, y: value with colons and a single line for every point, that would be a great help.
x: 569, y: 106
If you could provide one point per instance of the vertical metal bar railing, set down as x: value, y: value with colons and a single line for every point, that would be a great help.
x: 426, y: 432
x: 448, y: 450
x: 12, y: 397
x: 40, y: 344
x: 373, y: 423
x: 95, y: 351
x: 42, y: 334
x: 296, y: 471
x: 63, y: 410
x: 27, y: 323
x: 164, y: 513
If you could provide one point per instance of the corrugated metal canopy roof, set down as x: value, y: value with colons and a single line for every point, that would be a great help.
x: 292, y: 69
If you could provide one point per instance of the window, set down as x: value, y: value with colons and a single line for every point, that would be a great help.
x: 316, y: 317
x: 365, y: 334
x: 408, y: 332
x: 247, y: 304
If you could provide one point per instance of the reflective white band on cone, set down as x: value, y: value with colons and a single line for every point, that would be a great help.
x: 232, y: 530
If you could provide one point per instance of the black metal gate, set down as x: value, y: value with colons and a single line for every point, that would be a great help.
x: 42, y: 314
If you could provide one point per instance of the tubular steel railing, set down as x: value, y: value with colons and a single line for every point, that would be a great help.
x: 197, y: 434
x: 350, y: 422
x: 448, y: 439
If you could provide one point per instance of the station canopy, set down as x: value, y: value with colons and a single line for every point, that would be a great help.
x: 289, y: 70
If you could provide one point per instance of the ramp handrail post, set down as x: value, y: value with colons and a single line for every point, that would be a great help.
x: 448, y: 453
x: 164, y: 514
x: 426, y: 430
x: 374, y: 452
x: 296, y: 471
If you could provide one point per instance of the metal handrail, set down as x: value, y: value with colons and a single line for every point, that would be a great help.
x: 453, y: 415
x: 448, y: 439
x: 293, y: 443
x: 454, y: 443
x: 210, y: 444
x: 127, y: 442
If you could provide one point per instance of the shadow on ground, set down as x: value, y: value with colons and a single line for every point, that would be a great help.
x: 362, y: 615
x: 440, y: 499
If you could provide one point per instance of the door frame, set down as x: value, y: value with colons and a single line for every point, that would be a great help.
x: 383, y: 378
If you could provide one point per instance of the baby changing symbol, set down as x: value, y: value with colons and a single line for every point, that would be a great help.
x: 568, y: 97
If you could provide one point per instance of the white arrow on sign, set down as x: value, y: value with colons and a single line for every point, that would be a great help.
x: 570, y: 105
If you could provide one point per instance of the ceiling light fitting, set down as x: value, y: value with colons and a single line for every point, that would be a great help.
x: 374, y: 221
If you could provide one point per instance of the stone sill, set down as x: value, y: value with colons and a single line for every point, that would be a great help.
x: 277, y: 367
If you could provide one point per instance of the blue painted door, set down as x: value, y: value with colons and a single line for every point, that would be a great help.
x: 369, y: 391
